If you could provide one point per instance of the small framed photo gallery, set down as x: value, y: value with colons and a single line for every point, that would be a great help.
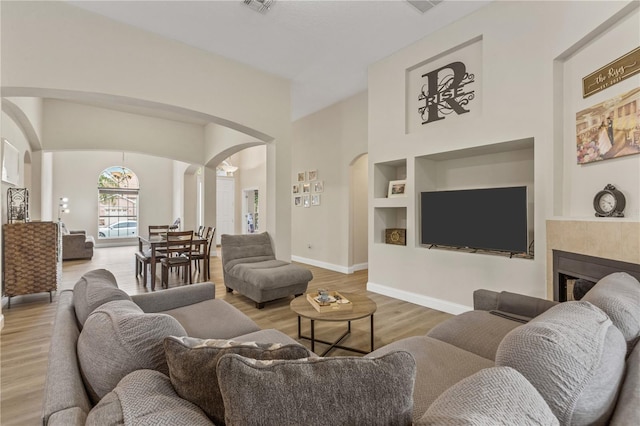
x: 307, y: 188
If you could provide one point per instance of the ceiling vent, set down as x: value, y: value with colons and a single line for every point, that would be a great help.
x: 424, y: 5
x: 261, y: 6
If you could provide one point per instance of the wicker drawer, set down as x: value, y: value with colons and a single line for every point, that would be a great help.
x: 30, y: 257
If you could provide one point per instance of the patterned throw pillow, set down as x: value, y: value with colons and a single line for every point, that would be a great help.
x: 193, y: 367
x: 318, y: 391
x: 145, y: 398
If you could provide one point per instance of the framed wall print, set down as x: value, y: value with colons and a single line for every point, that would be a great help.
x: 297, y: 200
x: 318, y: 186
x: 306, y: 188
x: 397, y: 188
x: 10, y: 163
x: 315, y: 200
x: 295, y: 189
x: 301, y: 177
x: 610, y: 129
x: 312, y: 174
x: 306, y: 200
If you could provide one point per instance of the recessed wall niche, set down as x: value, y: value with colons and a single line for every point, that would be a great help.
x: 504, y: 164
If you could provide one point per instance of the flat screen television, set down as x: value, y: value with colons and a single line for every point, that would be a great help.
x: 486, y: 219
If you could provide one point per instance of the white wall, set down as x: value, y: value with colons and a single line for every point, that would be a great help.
x: 80, y: 185
x: 582, y: 182
x: 327, y: 141
x: 519, y: 42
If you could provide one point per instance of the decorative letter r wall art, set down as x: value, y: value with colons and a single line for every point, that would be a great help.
x: 447, y: 85
x: 444, y: 92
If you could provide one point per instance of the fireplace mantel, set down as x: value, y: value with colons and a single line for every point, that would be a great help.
x: 607, y: 239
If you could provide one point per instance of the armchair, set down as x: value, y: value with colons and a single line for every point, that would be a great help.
x: 77, y: 245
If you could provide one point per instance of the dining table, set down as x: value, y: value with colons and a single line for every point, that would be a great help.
x: 156, y: 241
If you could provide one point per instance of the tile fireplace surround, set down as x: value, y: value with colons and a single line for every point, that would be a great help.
x: 617, y: 240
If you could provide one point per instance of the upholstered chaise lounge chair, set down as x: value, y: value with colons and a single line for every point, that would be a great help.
x: 250, y: 267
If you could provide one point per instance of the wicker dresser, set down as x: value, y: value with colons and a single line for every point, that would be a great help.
x: 30, y: 258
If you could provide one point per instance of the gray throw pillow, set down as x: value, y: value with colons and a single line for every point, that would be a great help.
x: 618, y: 295
x: 498, y: 395
x: 145, y: 398
x: 93, y: 290
x: 318, y: 391
x: 574, y: 357
x: 192, y: 367
x: 119, y: 338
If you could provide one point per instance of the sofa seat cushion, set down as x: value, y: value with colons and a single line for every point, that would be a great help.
x: 498, y: 395
x: 213, y: 319
x: 439, y: 365
x: 618, y: 295
x: 271, y: 274
x: 574, y: 357
x: 193, y: 366
x: 318, y: 391
x: 145, y: 398
x: 119, y: 338
x: 94, y: 289
x: 479, y: 332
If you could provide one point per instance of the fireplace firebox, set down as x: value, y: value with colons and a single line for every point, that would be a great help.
x: 568, y: 266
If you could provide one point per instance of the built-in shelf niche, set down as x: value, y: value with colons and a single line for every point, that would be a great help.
x: 388, y: 212
x: 503, y: 164
x: 388, y: 217
x: 385, y: 172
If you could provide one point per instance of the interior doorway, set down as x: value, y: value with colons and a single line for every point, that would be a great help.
x: 250, y: 203
x: 225, y: 206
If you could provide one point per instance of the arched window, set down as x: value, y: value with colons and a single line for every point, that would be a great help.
x: 118, y: 189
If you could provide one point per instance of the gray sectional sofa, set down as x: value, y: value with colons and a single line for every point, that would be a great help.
x: 180, y: 356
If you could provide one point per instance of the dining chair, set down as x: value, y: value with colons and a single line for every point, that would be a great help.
x: 178, y: 254
x: 200, y: 254
x: 143, y: 258
x: 175, y: 226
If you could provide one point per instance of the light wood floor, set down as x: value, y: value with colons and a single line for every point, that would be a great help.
x: 24, y: 343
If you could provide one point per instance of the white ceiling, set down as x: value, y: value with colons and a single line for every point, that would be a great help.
x: 323, y: 46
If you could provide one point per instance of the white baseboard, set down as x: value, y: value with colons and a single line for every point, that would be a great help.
x: 330, y: 266
x: 419, y: 299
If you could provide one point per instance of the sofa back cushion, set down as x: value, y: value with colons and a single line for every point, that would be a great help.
x: 94, y: 289
x: 192, y: 366
x: 318, y: 391
x: 119, y: 338
x: 573, y: 356
x: 618, y: 295
x: 245, y: 248
x: 497, y: 395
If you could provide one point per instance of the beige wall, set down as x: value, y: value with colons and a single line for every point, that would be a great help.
x: 251, y: 174
x: 359, y: 213
x: 328, y: 141
x: 79, y: 184
x: 521, y: 98
x: 79, y: 56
